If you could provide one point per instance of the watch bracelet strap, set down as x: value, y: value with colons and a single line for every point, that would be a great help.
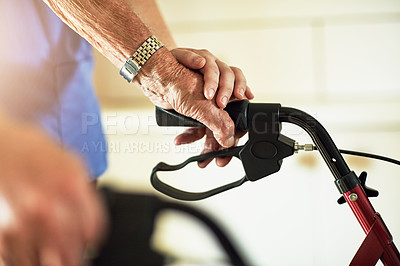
x: 134, y: 63
x: 146, y: 50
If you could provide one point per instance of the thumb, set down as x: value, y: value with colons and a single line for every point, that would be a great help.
x: 188, y: 58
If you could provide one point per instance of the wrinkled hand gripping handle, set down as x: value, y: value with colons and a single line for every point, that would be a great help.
x: 261, y: 155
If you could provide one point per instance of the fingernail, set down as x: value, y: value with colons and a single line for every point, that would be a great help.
x: 210, y: 94
x: 224, y: 100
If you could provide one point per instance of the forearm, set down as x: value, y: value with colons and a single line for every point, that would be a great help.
x: 150, y: 14
x: 114, y: 29
x: 117, y: 32
x: 109, y: 25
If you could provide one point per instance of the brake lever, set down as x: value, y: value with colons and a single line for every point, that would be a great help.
x: 261, y: 156
x: 191, y: 196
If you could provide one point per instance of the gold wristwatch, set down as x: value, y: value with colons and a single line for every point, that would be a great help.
x: 134, y: 63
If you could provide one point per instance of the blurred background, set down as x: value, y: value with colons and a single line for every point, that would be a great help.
x: 337, y: 60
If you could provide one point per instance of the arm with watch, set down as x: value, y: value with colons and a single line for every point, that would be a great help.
x: 126, y: 33
x: 49, y: 212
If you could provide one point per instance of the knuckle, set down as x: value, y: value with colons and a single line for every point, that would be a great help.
x: 229, y: 72
x: 213, y: 70
x: 227, y: 76
x: 229, y: 127
x: 236, y: 70
x: 238, y: 73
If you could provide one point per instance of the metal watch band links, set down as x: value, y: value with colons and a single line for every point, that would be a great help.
x: 134, y: 63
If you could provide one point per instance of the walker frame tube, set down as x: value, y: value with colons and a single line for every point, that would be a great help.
x: 378, y: 243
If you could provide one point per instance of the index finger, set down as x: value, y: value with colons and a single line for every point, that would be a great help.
x: 211, y: 77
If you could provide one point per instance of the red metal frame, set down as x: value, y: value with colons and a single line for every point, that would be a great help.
x: 378, y: 243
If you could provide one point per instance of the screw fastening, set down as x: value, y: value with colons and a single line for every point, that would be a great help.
x: 353, y: 196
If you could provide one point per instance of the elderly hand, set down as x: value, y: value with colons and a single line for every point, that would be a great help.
x: 226, y: 81
x: 170, y: 85
x: 229, y: 83
x: 49, y: 212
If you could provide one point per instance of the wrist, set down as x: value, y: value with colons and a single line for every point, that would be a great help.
x: 134, y: 63
x: 160, y: 73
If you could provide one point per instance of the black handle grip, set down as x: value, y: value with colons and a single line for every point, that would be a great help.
x: 237, y: 111
x: 172, y: 118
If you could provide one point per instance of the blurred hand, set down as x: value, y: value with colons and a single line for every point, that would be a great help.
x: 49, y: 210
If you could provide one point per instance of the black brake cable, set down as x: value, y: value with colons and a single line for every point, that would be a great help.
x: 372, y: 156
x: 361, y: 154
